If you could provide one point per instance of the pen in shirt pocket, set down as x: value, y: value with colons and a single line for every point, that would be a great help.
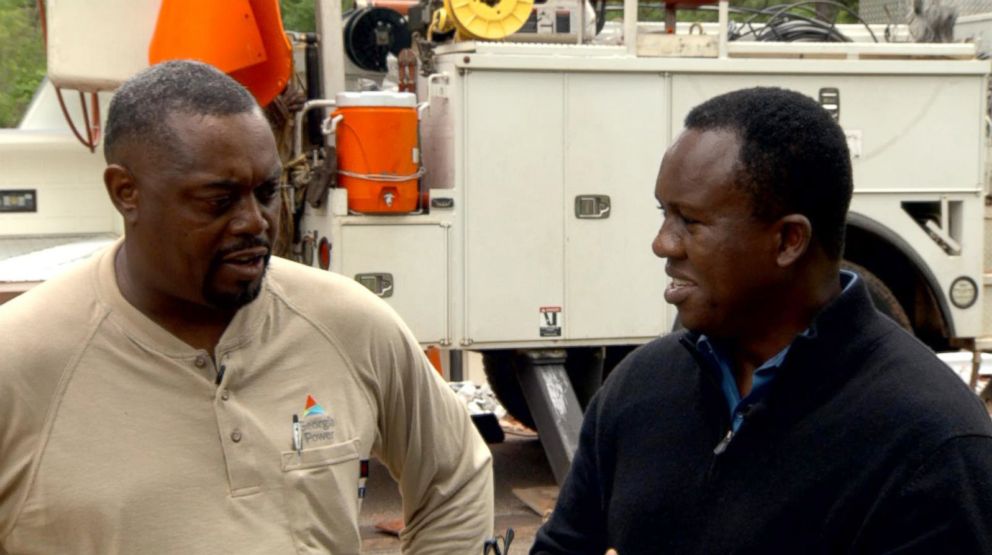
x: 297, y: 436
x: 363, y: 476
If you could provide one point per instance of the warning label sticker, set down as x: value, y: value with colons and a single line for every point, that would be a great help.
x: 550, y: 321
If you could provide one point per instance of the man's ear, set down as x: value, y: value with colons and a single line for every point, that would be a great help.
x: 123, y: 191
x: 794, y: 236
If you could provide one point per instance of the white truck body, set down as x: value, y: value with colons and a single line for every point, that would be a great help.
x: 515, y: 134
x: 519, y: 137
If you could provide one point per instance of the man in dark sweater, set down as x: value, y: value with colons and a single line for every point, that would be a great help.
x: 790, y: 417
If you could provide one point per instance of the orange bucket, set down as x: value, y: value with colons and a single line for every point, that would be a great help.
x: 378, y: 155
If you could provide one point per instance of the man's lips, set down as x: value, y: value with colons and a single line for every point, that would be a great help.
x: 679, y: 289
x: 245, y: 264
x: 246, y: 256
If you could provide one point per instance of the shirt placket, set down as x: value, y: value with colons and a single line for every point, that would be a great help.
x: 238, y: 442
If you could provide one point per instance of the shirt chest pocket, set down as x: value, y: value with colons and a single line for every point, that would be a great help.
x: 321, y: 486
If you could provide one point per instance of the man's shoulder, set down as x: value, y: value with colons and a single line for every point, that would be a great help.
x: 898, y: 373
x: 913, y: 381
x: 888, y: 377
x: 52, y: 315
x: 327, y: 297
x: 43, y: 331
x: 660, y: 363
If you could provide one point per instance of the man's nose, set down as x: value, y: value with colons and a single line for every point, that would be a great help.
x: 250, y: 219
x: 667, y: 243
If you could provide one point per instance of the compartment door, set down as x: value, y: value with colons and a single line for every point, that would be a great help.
x: 407, y: 265
x: 513, y: 197
x: 616, y: 133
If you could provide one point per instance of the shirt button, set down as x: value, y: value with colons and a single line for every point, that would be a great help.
x: 200, y: 361
x: 225, y: 395
x: 236, y: 436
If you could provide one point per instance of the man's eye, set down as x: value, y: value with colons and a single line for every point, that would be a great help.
x: 267, y: 194
x: 221, y: 202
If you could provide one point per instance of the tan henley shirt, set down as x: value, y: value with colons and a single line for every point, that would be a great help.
x: 115, y: 438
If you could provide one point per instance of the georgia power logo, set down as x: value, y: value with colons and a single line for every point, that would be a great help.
x: 317, y: 426
x: 312, y: 407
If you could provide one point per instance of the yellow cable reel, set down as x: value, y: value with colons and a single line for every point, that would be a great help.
x: 477, y: 19
x: 440, y: 23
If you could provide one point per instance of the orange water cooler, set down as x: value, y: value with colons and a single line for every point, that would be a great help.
x: 378, y: 154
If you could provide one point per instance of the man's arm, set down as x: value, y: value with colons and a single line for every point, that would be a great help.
x: 432, y: 448
x: 19, y: 439
x: 944, y: 507
x: 32, y: 363
x: 578, y: 523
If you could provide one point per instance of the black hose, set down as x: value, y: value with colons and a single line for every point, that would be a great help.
x: 315, y: 89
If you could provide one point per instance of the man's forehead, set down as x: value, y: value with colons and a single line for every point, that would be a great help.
x: 700, y: 170
x: 187, y: 140
x: 706, y: 144
x: 697, y: 151
x: 196, y: 132
x: 190, y: 121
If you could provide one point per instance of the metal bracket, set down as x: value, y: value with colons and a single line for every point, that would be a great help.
x: 437, y: 86
x: 379, y: 283
x: 942, y: 238
x: 592, y: 207
x: 554, y: 406
x: 830, y: 100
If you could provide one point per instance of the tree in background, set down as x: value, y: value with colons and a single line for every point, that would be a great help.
x: 298, y: 15
x: 22, y: 58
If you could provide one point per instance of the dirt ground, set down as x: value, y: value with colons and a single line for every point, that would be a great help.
x: 518, y: 463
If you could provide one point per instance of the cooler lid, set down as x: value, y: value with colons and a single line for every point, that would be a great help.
x: 376, y: 98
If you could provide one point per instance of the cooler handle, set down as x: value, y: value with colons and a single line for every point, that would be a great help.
x: 298, y: 128
x: 330, y: 125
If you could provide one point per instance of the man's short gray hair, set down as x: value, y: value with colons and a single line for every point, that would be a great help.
x: 144, y: 102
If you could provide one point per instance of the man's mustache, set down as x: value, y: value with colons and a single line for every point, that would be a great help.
x: 244, y: 244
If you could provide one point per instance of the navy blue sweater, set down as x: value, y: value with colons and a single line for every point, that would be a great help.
x: 866, y: 443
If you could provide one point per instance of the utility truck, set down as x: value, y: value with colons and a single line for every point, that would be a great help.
x: 506, y: 206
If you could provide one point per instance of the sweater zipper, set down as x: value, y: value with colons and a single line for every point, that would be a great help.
x: 722, y: 446
x: 731, y: 434
x: 717, y: 453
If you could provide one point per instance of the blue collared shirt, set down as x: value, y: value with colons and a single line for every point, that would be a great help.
x: 763, y: 375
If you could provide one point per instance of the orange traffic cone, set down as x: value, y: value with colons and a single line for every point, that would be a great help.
x: 243, y: 38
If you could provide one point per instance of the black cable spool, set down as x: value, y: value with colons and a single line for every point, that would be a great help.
x: 370, y: 34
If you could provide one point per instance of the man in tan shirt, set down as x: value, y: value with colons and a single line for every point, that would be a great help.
x: 181, y: 393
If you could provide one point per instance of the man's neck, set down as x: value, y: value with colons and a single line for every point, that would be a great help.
x: 799, y: 309
x: 198, y: 326
x: 746, y: 357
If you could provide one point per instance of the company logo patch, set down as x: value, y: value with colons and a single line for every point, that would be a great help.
x: 316, y: 426
x: 312, y: 407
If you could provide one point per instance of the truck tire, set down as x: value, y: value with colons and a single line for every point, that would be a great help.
x: 885, y: 301
x: 584, y: 366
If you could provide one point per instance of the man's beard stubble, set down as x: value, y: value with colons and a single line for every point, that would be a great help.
x: 247, y: 291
